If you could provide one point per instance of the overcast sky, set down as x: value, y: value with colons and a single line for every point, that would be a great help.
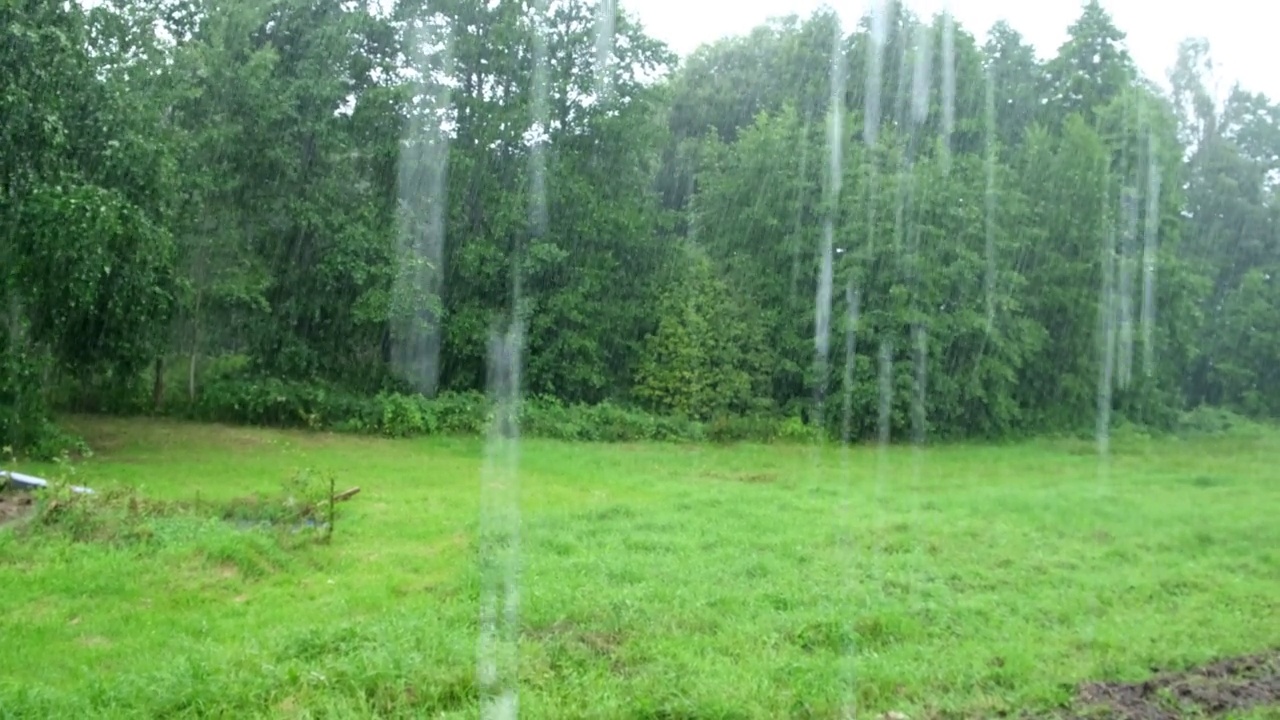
x: 1244, y: 35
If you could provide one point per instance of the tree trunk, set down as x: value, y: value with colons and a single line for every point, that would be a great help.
x: 157, y: 391
x: 195, y: 352
x: 191, y: 378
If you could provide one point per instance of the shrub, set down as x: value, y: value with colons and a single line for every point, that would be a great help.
x: 1205, y: 420
x: 279, y: 403
x: 461, y: 413
x: 743, y: 428
x: 273, y: 402
x: 26, y: 427
x: 405, y: 415
x: 794, y: 430
x: 549, y: 418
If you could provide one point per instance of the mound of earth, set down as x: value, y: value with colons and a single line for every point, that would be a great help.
x: 1214, y: 689
x: 15, y: 505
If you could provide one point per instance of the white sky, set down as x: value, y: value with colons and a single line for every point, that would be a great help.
x: 1242, y: 34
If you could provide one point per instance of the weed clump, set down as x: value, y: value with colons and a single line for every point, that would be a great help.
x: 303, y: 509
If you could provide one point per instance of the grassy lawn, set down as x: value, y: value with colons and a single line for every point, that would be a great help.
x: 658, y: 581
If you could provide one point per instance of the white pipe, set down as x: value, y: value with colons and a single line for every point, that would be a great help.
x: 31, y: 482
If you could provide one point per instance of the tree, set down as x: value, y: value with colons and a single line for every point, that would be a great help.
x: 84, y: 204
x: 705, y: 357
x: 1091, y: 68
x: 1016, y: 79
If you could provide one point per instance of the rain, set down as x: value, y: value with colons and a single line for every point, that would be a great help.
x: 609, y: 358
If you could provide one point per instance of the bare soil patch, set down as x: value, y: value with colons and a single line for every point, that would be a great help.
x: 752, y: 478
x: 568, y: 636
x: 15, y: 505
x: 1221, y: 687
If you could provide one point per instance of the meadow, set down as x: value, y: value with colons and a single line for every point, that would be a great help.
x: 657, y: 581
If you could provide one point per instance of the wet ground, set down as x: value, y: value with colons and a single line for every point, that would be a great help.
x: 15, y: 505
x: 1221, y: 687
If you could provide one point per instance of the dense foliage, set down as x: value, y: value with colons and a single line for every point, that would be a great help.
x: 316, y: 213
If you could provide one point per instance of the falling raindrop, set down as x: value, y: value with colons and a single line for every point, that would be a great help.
x: 606, y: 17
x: 920, y: 343
x: 846, y: 428
x: 422, y: 197
x: 797, y: 253
x: 886, y: 395
x: 919, y: 112
x: 989, y: 284
x: 1124, y: 290
x: 852, y: 302
x: 823, y: 298
x: 1150, y: 240
x: 1107, y: 348
x: 920, y: 76
x: 871, y: 119
x: 948, y: 86
x: 875, y: 73
x: 498, y: 652
x: 540, y: 111
x: 498, y: 644
x: 822, y: 324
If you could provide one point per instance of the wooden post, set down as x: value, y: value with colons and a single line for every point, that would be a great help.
x: 331, y: 504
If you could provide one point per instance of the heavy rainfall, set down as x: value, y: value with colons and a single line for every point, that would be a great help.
x: 456, y: 358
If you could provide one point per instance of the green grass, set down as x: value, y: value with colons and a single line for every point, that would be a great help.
x: 658, y: 581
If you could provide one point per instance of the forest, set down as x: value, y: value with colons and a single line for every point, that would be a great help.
x: 317, y: 214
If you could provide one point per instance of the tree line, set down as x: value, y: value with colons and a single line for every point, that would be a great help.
x: 200, y: 198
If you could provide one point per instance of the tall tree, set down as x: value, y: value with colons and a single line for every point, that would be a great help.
x: 1017, y: 81
x: 1092, y: 67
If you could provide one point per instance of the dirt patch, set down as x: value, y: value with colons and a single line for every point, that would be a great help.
x: 1218, y: 688
x: 15, y: 506
x: 568, y: 637
x: 456, y: 541
x: 751, y: 478
x: 604, y: 643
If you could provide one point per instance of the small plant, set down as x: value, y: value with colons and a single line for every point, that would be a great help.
x: 794, y: 430
x: 304, y: 507
x: 306, y: 503
x: 115, y: 514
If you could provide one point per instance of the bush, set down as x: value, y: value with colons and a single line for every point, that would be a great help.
x: 272, y: 402
x: 744, y: 428
x: 1205, y: 420
x: 794, y: 430
x: 38, y: 439
x: 460, y: 413
x: 549, y: 418
x: 26, y: 426
x: 405, y: 415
